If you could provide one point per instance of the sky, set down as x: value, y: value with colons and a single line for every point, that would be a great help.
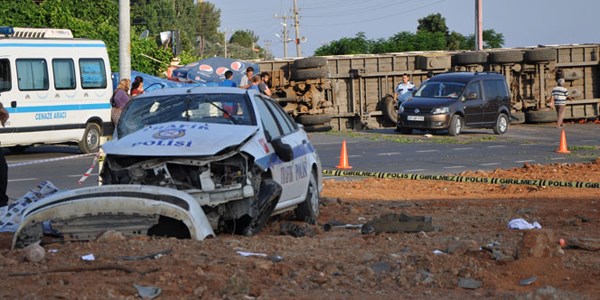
x: 522, y: 22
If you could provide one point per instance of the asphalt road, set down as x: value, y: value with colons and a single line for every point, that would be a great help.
x: 376, y: 150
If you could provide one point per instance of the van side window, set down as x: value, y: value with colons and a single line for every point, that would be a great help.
x: 5, y: 82
x: 494, y: 89
x: 64, y: 74
x: 32, y: 74
x: 93, y: 73
x: 473, y: 91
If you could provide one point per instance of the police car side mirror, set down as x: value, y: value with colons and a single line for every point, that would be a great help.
x: 283, y: 150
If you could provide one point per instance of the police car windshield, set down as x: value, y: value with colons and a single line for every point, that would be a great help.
x: 440, y: 89
x: 234, y: 109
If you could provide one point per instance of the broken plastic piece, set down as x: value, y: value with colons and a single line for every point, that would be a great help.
x: 88, y: 257
x: 522, y: 224
x: 147, y: 292
x: 528, y: 281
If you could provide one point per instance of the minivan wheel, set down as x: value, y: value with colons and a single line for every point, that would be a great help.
x: 456, y: 125
x: 501, y: 124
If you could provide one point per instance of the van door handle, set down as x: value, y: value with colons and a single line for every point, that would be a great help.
x: 13, y: 104
x: 85, y: 95
x: 57, y: 96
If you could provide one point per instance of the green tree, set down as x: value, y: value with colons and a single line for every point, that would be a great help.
x: 433, y: 23
x: 244, y: 38
x: 358, y: 44
x: 491, y: 39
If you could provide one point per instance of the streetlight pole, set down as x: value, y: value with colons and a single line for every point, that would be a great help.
x: 297, y: 25
x: 478, y: 26
x: 124, y: 40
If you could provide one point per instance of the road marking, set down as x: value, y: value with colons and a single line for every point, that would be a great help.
x: 22, y: 179
x: 454, y: 167
x: 489, y: 164
x: 91, y: 174
x: 465, y: 148
x: 414, y: 170
x: 389, y: 153
x: 353, y: 155
x: 524, y: 161
x: 497, y: 146
x: 558, y: 158
x: 426, y: 151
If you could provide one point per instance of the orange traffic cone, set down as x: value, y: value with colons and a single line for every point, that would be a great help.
x: 344, y: 158
x: 562, y: 148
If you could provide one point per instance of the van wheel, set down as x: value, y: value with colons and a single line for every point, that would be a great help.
x: 308, y: 210
x: 501, y: 124
x: 90, y: 142
x: 456, y: 125
x: 389, y: 109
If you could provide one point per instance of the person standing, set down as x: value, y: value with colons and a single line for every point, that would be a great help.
x: 256, y: 80
x: 263, y: 86
x: 228, y: 82
x: 559, y: 96
x: 137, y: 87
x: 119, y: 100
x: 246, y: 80
x: 3, y: 166
x: 402, y: 88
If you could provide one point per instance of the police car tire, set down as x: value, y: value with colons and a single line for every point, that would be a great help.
x: 310, y: 62
x: 540, y: 116
x: 314, y: 73
x: 308, y: 120
x: 90, y: 142
x: 389, y: 110
x: 18, y: 149
x: 505, y: 57
x: 308, y: 210
x: 318, y: 128
x: 470, y: 58
x: 540, y: 55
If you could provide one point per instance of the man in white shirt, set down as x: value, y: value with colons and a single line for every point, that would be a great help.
x: 246, y: 81
x: 403, y: 87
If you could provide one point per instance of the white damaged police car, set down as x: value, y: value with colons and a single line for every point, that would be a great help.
x: 189, y: 162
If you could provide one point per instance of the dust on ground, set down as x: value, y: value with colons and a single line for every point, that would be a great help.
x: 478, y: 255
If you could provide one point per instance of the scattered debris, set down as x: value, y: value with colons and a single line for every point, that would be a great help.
x: 438, y: 252
x: 380, y: 267
x: 291, y: 229
x: 469, y: 283
x: 244, y: 253
x: 88, y: 257
x: 85, y: 269
x: 589, y: 244
x: 528, y: 281
x: 111, y: 235
x: 537, y: 243
x: 522, y: 224
x: 149, y: 256
x: 337, y: 224
x: 34, y: 252
x: 398, y: 223
x: 147, y: 292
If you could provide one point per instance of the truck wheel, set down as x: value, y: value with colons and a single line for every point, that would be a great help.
x: 310, y: 62
x: 18, y: 149
x: 318, y: 128
x: 314, y: 73
x: 308, y: 211
x: 505, y: 57
x: 389, y: 109
x: 90, y: 142
x: 540, y: 55
x: 540, y: 116
x: 319, y: 119
x: 501, y: 124
x: 470, y: 58
x: 456, y: 125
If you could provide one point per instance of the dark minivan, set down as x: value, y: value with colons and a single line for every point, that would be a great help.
x: 452, y: 101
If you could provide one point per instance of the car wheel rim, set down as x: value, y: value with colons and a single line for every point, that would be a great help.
x: 502, y: 124
x: 314, y: 195
x: 92, y: 140
x: 458, y: 126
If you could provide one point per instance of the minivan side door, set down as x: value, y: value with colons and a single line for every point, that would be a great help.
x: 472, y: 103
x: 494, y: 94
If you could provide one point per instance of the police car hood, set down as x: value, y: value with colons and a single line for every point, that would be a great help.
x: 180, y: 139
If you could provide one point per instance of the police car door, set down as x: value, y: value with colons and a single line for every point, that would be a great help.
x: 293, y: 175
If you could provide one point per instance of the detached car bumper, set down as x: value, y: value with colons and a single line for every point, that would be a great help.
x: 85, y: 213
x: 423, y: 121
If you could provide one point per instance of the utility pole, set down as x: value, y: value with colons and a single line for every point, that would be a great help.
x: 124, y: 40
x: 285, y: 33
x: 478, y: 26
x: 297, y: 25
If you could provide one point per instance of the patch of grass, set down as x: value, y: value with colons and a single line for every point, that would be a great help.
x: 584, y: 147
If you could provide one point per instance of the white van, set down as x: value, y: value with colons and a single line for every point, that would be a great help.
x: 55, y: 87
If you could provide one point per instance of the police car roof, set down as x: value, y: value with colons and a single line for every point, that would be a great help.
x: 196, y: 90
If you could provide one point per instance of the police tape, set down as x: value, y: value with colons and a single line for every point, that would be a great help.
x: 457, y: 178
x: 41, y: 161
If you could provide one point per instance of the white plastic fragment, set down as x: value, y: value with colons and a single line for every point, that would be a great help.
x: 88, y: 257
x: 522, y: 224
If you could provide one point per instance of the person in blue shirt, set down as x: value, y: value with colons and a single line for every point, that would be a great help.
x: 228, y: 82
x: 256, y: 80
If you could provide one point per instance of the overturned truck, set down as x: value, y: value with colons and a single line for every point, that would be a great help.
x: 356, y: 91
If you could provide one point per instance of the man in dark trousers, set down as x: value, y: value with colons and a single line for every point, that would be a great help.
x: 3, y: 165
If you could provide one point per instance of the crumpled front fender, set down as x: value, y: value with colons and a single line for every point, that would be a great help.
x: 85, y: 213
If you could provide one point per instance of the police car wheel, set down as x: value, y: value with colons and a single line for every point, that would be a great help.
x: 90, y: 142
x: 308, y: 210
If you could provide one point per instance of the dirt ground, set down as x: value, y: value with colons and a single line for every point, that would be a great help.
x: 478, y: 256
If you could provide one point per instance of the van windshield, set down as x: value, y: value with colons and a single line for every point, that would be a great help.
x: 439, y: 89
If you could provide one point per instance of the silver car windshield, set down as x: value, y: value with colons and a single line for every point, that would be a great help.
x: 439, y: 89
x: 232, y: 109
